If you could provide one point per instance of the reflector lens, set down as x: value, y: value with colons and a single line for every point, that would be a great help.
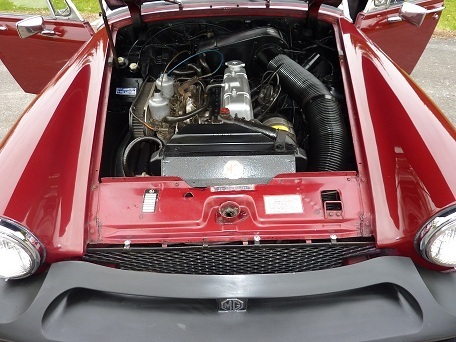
x: 18, y: 262
x: 20, y: 252
x: 437, y: 240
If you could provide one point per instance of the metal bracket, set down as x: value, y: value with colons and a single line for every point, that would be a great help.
x: 394, y: 19
x: 176, y: 2
x: 435, y: 10
x: 48, y: 33
x: 135, y: 12
x: 109, y: 32
x: 413, y: 13
x: 312, y: 14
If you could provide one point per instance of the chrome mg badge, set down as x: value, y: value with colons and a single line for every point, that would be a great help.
x: 232, y: 305
x: 233, y: 170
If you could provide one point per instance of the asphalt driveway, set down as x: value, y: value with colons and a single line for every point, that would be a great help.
x: 435, y: 73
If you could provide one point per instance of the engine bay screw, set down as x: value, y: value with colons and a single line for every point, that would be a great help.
x: 134, y: 67
x: 121, y: 61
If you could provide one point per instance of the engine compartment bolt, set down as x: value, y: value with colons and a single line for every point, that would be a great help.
x: 133, y: 67
x: 121, y: 61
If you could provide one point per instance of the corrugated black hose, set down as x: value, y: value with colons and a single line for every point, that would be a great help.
x: 329, y: 146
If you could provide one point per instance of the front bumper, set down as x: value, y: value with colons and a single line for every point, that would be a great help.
x: 385, y: 298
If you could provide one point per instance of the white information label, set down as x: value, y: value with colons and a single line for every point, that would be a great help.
x: 283, y: 204
x: 247, y: 187
x: 126, y: 91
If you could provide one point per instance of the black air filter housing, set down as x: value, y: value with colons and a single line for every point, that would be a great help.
x: 226, y: 154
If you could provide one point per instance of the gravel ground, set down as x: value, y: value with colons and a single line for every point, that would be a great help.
x: 13, y: 100
x: 435, y: 73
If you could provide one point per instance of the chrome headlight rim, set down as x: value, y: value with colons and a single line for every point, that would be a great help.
x: 15, y: 232
x: 431, y: 230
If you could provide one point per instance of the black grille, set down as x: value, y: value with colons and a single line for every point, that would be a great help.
x: 231, y: 259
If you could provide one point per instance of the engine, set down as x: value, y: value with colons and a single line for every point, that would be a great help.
x: 218, y: 108
x: 236, y: 91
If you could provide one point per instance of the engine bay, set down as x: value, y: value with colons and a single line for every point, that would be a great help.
x: 226, y: 102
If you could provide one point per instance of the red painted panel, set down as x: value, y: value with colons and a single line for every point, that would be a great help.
x: 34, y: 61
x: 403, y: 42
x: 45, y: 159
x: 410, y: 147
x: 405, y: 148
x: 185, y: 214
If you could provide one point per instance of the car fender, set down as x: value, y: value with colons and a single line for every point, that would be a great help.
x: 45, y: 158
x: 409, y: 145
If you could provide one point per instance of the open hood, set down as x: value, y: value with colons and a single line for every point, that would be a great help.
x: 113, y: 4
x: 134, y: 7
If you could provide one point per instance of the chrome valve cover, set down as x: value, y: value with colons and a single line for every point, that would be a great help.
x: 236, y: 93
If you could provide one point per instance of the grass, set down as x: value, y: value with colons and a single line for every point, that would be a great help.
x: 21, y: 6
x: 447, y: 21
x: 84, y: 6
x: 91, y: 6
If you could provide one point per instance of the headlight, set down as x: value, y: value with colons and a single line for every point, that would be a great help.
x: 21, y: 253
x: 437, y: 239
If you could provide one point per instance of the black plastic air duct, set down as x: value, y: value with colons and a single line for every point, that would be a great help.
x: 329, y: 139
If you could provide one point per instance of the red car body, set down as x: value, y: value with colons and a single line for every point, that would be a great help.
x: 404, y: 148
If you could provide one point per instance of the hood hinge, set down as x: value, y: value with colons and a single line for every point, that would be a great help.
x: 134, y: 7
x: 312, y: 14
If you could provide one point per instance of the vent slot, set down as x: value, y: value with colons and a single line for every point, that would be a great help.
x: 331, y: 201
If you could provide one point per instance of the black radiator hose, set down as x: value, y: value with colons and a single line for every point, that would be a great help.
x: 329, y: 146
